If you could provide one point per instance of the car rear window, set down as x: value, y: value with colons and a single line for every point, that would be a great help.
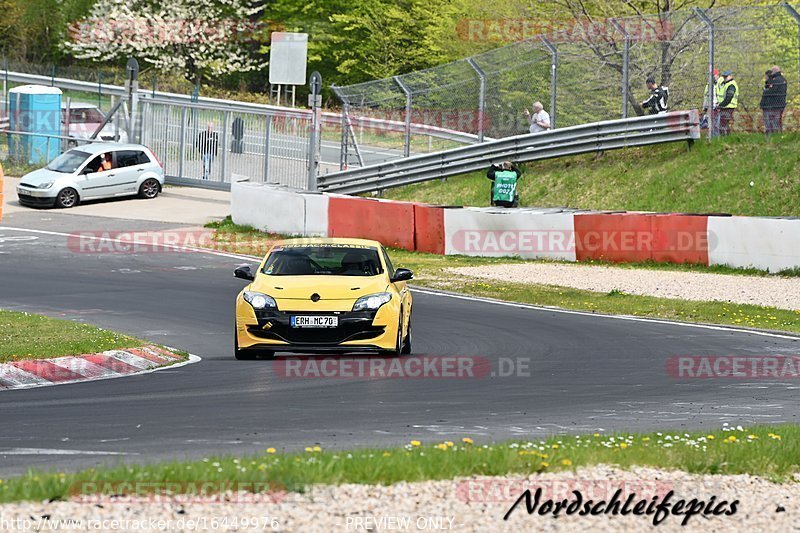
x: 323, y: 260
x: 128, y: 158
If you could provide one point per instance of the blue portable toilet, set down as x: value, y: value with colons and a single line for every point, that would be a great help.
x: 35, y: 109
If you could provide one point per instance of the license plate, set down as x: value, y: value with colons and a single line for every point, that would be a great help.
x: 315, y: 321
x: 23, y: 192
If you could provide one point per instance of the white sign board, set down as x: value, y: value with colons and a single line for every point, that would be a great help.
x: 288, y: 54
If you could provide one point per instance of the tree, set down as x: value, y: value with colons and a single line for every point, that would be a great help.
x: 199, y: 38
x: 10, y: 34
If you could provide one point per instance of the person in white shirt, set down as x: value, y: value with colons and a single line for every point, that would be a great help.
x: 540, y: 120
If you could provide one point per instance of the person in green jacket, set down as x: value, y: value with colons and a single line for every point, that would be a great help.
x: 504, y: 184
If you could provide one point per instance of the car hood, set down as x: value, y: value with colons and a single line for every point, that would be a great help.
x: 43, y: 175
x: 336, y: 288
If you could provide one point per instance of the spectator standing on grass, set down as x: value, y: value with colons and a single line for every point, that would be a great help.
x: 504, y: 184
x: 540, y: 120
x: 773, y: 100
x: 729, y: 102
x: 657, y: 103
x: 208, y: 146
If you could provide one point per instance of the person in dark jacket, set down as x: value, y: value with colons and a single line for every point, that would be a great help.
x: 208, y: 147
x: 504, y: 184
x: 657, y: 103
x: 773, y: 100
x: 237, y: 130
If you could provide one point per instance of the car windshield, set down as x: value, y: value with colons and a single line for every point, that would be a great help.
x: 68, y: 162
x: 323, y: 260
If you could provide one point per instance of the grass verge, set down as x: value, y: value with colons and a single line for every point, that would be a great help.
x: 429, y: 271
x: 769, y: 451
x: 28, y: 336
x: 711, y: 177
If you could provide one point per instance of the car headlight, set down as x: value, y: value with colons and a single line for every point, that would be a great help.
x: 372, y: 301
x: 45, y: 185
x: 259, y: 300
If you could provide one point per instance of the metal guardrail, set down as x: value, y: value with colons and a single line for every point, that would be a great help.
x: 217, y: 104
x: 585, y: 138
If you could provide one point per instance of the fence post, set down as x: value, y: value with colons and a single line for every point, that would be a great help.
x: 100, y: 89
x: 267, y: 148
x: 626, y: 54
x: 6, y: 99
x: 343, y: 148
x: 182, y: 144
x: 481, y: 97
x: 711, y: 111
x: 407, y: 92
x: 793, y: 12
x: 224, y: 166
x: 553, y: 79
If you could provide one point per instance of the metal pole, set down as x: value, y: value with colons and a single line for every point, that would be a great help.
x: 711, y: 111
x: 315, y: 100
x: 481, y: 97
x: 182, y: 144
x: 793, y: 12
x: 407, y: 92
x: 224, y: 165
x: 100, y: 89
x: 67, y: 113
x: 343, y: 148
x: 553, y: 79
x: 626, y: 53
x: 267, y: 148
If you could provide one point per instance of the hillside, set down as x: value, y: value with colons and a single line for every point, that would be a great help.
x: 711, y: 177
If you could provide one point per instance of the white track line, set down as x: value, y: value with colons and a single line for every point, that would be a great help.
x: 446, y: 294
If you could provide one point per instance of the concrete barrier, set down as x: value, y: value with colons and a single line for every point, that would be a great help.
x: 636, y: 237
x: 771, y: 244
x: 532, y: 234
x: 560, y: 234
x: 279, y: 210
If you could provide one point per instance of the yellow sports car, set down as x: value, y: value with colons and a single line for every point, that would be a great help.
x: 323, y: 295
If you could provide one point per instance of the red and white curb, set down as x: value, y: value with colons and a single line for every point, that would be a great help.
x: 75, y: 369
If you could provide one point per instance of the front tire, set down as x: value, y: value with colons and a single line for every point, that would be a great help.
x: 149, y: 189
x: 67, y: 198
x: 407, y: 344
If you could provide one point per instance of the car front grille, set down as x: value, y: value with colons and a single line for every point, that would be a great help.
x: 352, y: 326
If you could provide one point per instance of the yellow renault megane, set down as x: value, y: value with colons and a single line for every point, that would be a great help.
x: 323, y: 295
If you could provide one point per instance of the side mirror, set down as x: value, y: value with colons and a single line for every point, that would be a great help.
x: 402, y: 274
x: 244, y: 272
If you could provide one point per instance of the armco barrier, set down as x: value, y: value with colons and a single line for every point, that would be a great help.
x: 635, y: 237
x: 391, y: 223
x: 771, y: 244
x: 533, y: 234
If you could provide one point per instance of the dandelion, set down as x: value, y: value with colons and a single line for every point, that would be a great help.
x: 416, y: 443
x: 386, y: 454
x: 566, y: 462
x: 442, y: 446
x: 774, y: 436
x: 554, y: 446
x: 271, y: 450
x: 544, y: 465
x: 467, y: 440
x: 752, y: 437
x: 309, y: 449
x: 317, y: 449
x: 449, y: 443
x: 710, y: 437
x: 623, y: 445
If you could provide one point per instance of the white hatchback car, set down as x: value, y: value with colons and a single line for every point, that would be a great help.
x: 84, y: 119
x: 79, y: 174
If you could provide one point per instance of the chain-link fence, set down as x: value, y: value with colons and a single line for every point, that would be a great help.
x: 589, y: 71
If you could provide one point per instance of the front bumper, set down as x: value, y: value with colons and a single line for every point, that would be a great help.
x: 357, y: 331
x: 36, y: 197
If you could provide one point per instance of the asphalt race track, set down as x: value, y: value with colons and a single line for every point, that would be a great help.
x: 585, y: 372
